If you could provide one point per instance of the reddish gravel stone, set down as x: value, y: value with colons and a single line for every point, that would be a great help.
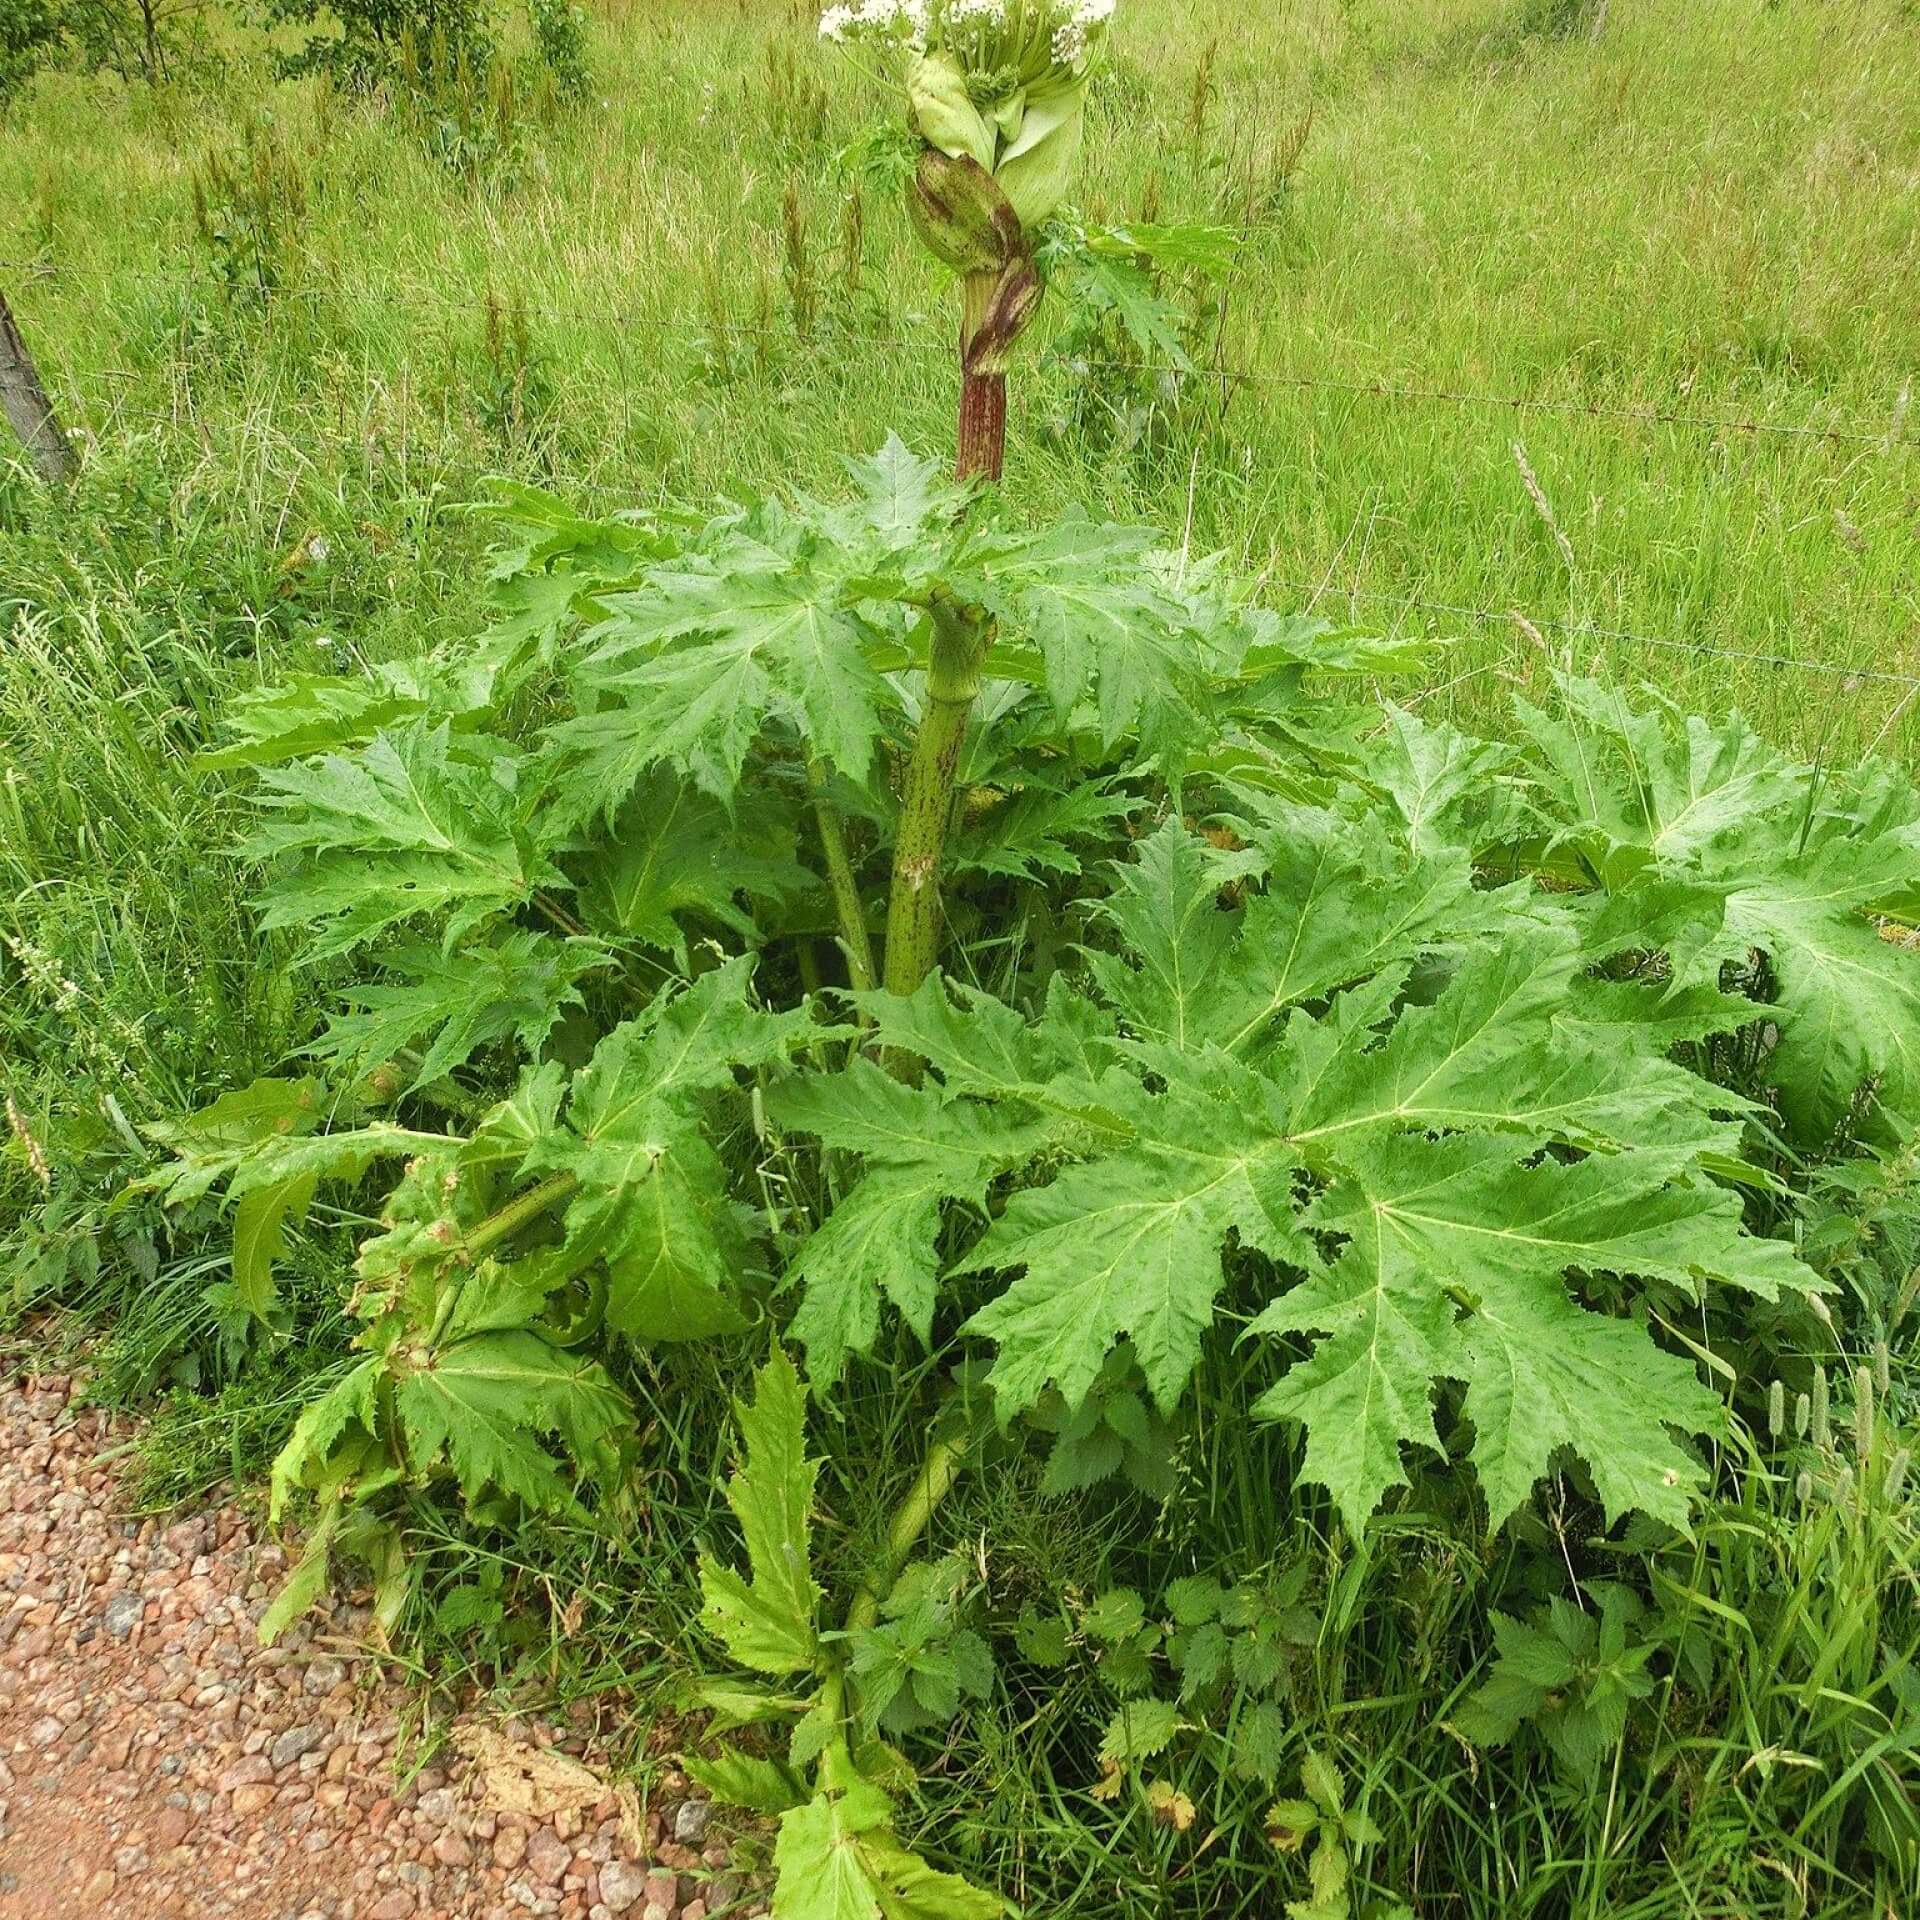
x: 155, y: 1759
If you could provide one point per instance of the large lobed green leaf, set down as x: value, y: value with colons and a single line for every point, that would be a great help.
x: 270, y: 1145
x: 1323, y: 1044
x: 1702, y: 843
x: 766, y: 1619
x: 654, y: 1202
x: 416, y: 823
x: 837, y: 1859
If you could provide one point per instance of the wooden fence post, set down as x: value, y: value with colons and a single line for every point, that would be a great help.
x: 27, y: 405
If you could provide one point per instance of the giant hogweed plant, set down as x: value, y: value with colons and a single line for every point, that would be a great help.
x: 1449, y: 1073
x: 1446, y: 1071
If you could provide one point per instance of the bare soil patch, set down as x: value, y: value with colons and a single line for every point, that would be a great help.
x: 155, y: 1758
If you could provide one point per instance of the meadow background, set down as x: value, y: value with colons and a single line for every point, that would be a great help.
x: 1558, y: 334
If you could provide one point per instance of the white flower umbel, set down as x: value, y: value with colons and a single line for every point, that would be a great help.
x: 1000, y: 81
x: 902, y: 23
x: 1074, y: 36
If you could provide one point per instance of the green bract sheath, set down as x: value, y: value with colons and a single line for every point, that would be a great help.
x: 961, y: 214
x: 1000, y: 85
x: 1029, y: 142
x: 1035, y: 167
x: 945, y: 116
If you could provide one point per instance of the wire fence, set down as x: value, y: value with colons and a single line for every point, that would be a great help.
x: 470, y: 304
x: 1592, y: 630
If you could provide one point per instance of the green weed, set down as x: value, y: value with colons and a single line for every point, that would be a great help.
x: 1538, y: 341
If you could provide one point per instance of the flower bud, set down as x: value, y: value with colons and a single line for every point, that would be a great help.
x: 960, y: 214
x: 946, y: 118
x: 1002, y: 83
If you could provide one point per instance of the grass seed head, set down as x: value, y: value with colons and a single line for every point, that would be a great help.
x: 29, y: 1144
x: 1895, y: 1484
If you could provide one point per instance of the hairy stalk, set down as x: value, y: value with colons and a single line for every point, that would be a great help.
x: 961, y: 637
x: 502, y: 1224
x: 558, y: 914
x: 982, y: 450
x: 854, y: 938
x: 522, y: 1211
x: 946, y: 1459
x: 983, y: 426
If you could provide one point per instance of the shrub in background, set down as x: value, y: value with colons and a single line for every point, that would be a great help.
x: 30, y: 36
x: 137, y: 39
x: 375, y: 43
x: 559, y: 30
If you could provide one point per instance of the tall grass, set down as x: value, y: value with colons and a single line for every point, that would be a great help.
x: 288, y: 395
x: 1706, y: 213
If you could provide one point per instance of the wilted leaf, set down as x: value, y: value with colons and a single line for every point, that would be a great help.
x: 515, y: 1777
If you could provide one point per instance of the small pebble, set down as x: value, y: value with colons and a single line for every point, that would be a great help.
x: 124, y: 1612
x: 621, y: 1885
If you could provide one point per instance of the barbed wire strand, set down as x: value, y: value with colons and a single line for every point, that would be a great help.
x: 1314, y: 592
x: 1625, y: 636
x: 422, y: 297
x: 722, y: 329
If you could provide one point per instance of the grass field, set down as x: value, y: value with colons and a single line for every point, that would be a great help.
x: 1559, y: 333
x: 1702, y: 213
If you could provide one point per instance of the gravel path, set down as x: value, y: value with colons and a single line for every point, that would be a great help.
x: 155, y: 1759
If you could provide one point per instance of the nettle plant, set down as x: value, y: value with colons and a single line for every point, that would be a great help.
x: 851, y: 923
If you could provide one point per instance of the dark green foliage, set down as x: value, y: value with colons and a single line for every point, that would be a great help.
x: 1142, y: 307
x: 248, y: 206
x: 1387, y: 1112
x: 31, y: 32
x: 1572, y: 1672
x: 365, y: 44
x: 560, y: 45
x: 136, y: 39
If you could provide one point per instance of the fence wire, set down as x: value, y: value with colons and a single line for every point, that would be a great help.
x: 1587, y: 629
x: 468, y: 305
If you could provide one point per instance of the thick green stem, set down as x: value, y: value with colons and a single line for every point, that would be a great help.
x: 854, y: 938
x: 961, y: 636
x: 499, y: 1225
x: 945, y: 1461
x: 558, y: 914
x: 504, y: 1223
